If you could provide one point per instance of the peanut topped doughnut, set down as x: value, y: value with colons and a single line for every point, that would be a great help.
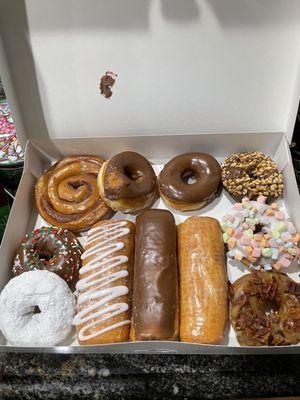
x: 127, y: 182
x: 251, y: 174
x: 67, y: 195
x: 265, y: 309
x: 189, y: 181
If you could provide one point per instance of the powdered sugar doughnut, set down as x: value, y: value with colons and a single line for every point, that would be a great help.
x: 36, y: 309
x: 260, y: 236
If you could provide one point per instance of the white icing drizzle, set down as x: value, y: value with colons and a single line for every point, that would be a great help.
x: 103, y: 261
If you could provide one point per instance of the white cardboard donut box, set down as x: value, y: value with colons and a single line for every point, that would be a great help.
x: 201, y: 75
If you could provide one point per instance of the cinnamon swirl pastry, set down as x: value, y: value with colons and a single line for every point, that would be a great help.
x: 103, y: 304
x: 67, y: 196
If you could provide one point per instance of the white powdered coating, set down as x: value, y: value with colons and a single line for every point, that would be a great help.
x: 51, y: 294
x: 103, y: 261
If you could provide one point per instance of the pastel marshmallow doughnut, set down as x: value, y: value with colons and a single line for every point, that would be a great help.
x: 260, y: 235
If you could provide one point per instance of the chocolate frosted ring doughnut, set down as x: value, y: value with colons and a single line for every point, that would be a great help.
x: 127, y: 182
x: 265, y: 309
x: 189, y: 181
x: 53, y: 249
x: 251, y: 175
x: 67, y: 195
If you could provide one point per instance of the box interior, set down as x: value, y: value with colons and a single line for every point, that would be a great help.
x: 24, y: 216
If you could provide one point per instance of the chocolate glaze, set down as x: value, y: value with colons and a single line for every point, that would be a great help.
x: 175, y: 174
x: 128, y: 175
x: 155, y: 287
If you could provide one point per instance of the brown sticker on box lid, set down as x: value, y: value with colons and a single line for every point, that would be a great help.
x: 106, y: 82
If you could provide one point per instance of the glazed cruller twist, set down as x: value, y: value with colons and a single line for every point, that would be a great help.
x: 67, y: 195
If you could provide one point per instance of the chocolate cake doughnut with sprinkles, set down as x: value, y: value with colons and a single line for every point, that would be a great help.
x: 53, y: 249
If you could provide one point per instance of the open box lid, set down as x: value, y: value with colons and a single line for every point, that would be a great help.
x: 184, y: 66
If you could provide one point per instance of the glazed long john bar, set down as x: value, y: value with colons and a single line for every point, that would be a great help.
x: 203, y: 281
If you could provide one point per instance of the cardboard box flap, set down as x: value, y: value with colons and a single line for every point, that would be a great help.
x: 183, y: 66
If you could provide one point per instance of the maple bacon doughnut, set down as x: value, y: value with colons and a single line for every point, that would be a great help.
x: 265, y: 309
x: 190, y: 181
x: 67, y: 195
x: 127, y: 182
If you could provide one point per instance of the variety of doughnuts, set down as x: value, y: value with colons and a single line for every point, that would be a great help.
x: 54, y: 249
x: 190, y: 181
x: 260, y: 236
x: 103, y: 303
x: 127, y: 182
x: 36, y: 309
x: 67, y: 195
x: 155, y: 304
x: 129, y: 285
x: 203, y: 281
x: 265, y: 309
x: 251, y: 174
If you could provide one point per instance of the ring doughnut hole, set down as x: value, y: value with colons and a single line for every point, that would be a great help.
x: 258, y: 228
x: 132, y: 174
x: 45, y: 251
x: 190, y: 176
x: 252, y: 175
x: 33, y: 310
x: 270, y: 306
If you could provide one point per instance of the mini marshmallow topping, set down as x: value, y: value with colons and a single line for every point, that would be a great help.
x: 260, y: 236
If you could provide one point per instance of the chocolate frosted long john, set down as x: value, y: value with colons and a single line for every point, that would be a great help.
x: 155, y: 314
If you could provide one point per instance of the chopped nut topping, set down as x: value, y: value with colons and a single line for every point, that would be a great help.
x: 251, y: 174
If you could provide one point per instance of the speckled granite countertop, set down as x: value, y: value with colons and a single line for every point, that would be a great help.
x: 148, y: 377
